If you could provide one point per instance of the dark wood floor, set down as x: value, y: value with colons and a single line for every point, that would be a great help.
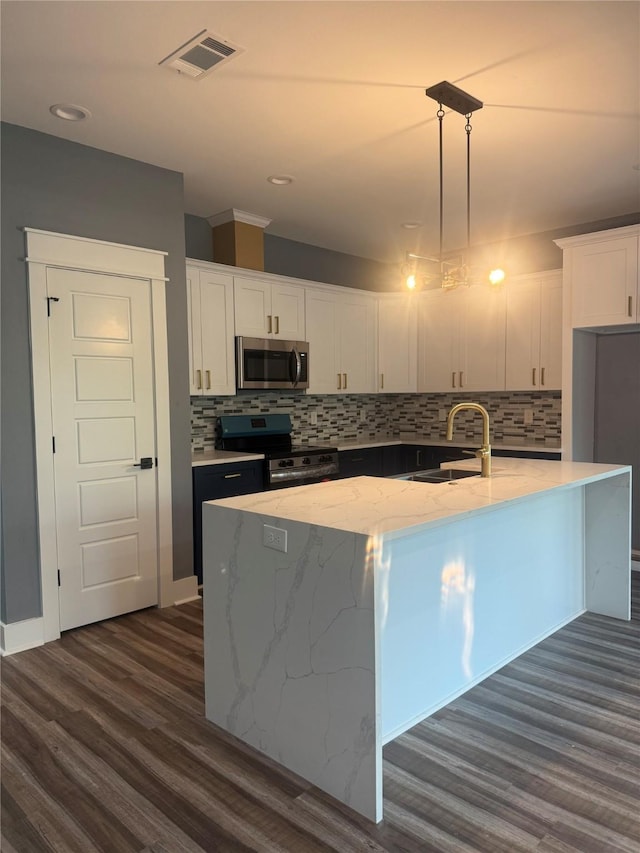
x: 105, y: 748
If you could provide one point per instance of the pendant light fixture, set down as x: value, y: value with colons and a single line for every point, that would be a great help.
x: 453, y: 269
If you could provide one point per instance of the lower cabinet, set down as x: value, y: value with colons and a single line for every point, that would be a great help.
x: 361, y: 463
x: 212, y: 482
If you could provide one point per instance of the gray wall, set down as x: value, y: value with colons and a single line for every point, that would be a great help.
x: 300, y: 260
x: 56, y: 185
x: 525, y: 254
x: 617, y: 410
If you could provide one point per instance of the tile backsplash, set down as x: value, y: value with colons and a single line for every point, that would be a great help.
x: 517, y: 417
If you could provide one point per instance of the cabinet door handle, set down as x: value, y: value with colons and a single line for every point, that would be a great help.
x: 339, y: 382
x: 269, y: 323
x: 418, y: 457
x: 198, y: 379
x: 345, y: 381
x: 207, y: 373
x: 461, y: 382
x: 542, y: 375
x: 382, y: 380
x: 276, y: 320
x: 232, y: 476
x: 453, y: 379
x: 630, y: 306
x: 533, y: 376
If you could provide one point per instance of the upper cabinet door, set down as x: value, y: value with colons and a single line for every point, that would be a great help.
x: 534, y: 332
x: 398, y: 343
x: 218, y: 356
x: 211, y: 333
x: 440, y: 315
x: 210, y: 319
x: 269, y: 309
x: 322, y: 334
x: 253, y: 316
x: 287, y: 310
x: 357, y: 343
x: 551, y: 333
x: 482, y: 339
x: 603, y: 277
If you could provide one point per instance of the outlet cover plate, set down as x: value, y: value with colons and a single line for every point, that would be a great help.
x: 274, y: 537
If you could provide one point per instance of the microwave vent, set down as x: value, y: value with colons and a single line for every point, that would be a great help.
x: 200, y: 55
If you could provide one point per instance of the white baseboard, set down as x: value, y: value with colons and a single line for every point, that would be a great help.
x: 20, y: 636
x: 184, y: 590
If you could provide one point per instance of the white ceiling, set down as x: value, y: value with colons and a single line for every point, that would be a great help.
x: 333, y: 94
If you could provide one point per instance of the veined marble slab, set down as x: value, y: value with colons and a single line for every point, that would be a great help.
x: 378, y: 505
x: 392, y: 598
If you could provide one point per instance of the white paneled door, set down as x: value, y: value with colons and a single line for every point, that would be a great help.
x: 102, y: 381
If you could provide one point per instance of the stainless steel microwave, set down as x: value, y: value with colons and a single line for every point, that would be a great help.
x: 271, y: 363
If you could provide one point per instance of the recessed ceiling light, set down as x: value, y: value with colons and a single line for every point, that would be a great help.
x: 411, y: 225
x: 280, y: 180
x: 70, y: 112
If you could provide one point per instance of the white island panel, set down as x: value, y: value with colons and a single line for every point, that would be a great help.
x: 290, y: 650
x: 462, y: 600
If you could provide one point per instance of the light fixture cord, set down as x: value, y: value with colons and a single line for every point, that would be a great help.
x: 440, y: 115
x: 467, y: 127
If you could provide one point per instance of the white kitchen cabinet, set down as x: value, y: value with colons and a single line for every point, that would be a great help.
x: 341, y: 330
x: 534, y: 332
x: 601, y: 270
x: 461, y: 339
x: 397, y: 343
x: 269, y: 309
x: 211, y: 332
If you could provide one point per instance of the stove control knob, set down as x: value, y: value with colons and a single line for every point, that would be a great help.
x: 306, y: 461
x: 290, y: 463
x: 282, y: 463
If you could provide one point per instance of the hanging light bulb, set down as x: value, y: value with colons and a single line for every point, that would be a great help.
x: 411, y: 281
x: 497, y: 276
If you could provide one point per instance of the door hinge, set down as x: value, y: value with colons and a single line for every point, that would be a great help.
x: 59, y: 577
x: 51, y: 299
x: 53, y: 443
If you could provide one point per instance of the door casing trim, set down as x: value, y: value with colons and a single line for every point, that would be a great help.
x: 47, y: 248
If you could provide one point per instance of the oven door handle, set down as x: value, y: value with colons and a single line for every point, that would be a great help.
x: 298, y: 360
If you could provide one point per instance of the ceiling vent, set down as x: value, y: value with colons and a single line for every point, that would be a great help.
x: 200, y: 55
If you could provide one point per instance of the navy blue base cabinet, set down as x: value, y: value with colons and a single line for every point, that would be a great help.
x: 212, y: 482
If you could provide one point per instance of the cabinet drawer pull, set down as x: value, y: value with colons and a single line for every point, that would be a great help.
x: 630, y: 306
x: 533, y: 376
x: 198, y: 379
x: 542, y: 375
x: 382, y: 380
x: 232, y: 476
x: 269, y: 323
x: 345, y: 381
x: 276, y: 320
x: 339, y: 382
x: 461, y: 382
x: 207, y: 373
x: 453, y: 379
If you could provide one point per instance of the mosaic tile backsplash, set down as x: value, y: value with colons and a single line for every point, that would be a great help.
x: 361, y: 417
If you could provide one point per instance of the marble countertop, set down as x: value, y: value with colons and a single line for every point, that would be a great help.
x: 220, y: 457
x: 375, y: 506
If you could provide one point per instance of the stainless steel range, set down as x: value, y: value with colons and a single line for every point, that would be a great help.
x: 286, y: 464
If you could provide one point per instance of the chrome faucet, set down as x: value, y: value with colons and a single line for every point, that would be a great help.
x: 484, y: 453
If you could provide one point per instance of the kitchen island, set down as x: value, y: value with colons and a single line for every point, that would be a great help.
x: 392, y: 598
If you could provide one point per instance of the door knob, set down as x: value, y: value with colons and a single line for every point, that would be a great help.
x: 145, y: 462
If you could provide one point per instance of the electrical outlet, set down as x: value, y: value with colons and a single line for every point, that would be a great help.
x: 528, y: 416
x: 313, y: 418
x: 274, y: 537
x: 442, y: 414
x: 363, y: 416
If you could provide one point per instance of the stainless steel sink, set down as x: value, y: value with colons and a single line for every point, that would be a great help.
x: 439, y: 475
